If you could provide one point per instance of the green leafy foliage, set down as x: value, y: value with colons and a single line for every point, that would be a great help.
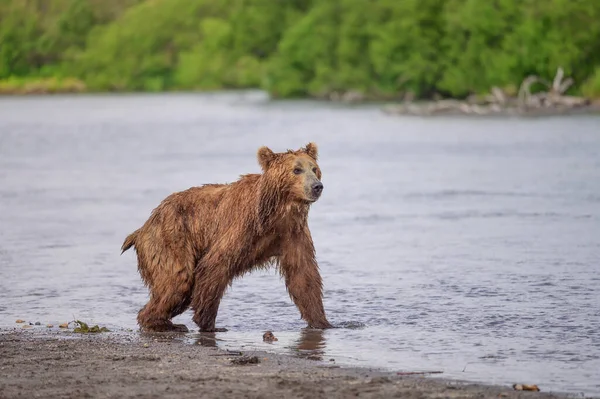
x: 34, y: 85
x: 84, y: 328
x: 38, y: 36
x: 501, y: 42
x: 591, y: 87
x: 380, y: 48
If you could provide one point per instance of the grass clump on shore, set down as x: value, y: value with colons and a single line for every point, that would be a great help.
x: 41, y: 86
x: 83, y: 328
x: 591, y: 87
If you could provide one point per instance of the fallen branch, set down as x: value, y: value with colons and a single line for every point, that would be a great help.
x: 498, y: 102
x: 524, y: 96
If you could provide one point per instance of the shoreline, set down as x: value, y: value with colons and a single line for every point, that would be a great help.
x: 433, y: 109
x: 422, y: 108
x: 61, y: 363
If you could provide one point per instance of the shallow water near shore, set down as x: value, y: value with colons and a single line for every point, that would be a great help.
x: 468, y: 246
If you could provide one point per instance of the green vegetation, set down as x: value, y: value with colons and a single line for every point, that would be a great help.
x: 32, y: 85
x: 379, y: 48
x: 83, y: 328
x: 591, y: 88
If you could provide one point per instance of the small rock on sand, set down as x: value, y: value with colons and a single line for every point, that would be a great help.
x: 19, y: 321
x: 269, y: 337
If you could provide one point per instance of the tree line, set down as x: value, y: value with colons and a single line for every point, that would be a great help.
x: 379, y: 48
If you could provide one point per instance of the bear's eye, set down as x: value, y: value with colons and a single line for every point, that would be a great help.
x: 315, y: 170
x: 297, y: 171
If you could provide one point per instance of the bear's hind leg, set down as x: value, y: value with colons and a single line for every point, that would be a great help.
x: 156, y: 315
x: 164, y: 304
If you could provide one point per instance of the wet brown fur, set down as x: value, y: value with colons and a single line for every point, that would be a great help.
x: 196, y: 242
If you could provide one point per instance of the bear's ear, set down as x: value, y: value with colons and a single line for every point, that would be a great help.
x: 311, y: 150
x: 265, y: 156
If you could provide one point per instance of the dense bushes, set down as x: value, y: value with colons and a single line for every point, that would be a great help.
x: 501, y: 42
x: 381, y: 48
x: 38, y: 37
x: 591, y: 87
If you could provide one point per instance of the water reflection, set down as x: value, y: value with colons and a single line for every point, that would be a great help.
x: 207, y: 339
x: 310, y: 345
x: 162, y: 336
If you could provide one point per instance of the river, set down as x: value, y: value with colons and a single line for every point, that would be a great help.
x: 468, y: 246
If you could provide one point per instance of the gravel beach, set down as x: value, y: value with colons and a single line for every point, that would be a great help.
x: 52, y: 363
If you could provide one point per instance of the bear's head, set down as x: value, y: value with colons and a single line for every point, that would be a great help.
x: 295, y: 173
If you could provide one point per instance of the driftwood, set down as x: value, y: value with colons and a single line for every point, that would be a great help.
x: 498, y: 102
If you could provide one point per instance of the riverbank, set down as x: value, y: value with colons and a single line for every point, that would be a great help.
x: 37, y: 86
x: 472, y: 107
x: 37, y: 363
x: 445, y: 108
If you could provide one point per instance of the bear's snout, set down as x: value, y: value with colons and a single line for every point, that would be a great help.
x: 317, y: 189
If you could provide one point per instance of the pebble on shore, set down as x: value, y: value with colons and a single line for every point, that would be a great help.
x: 269, y: 337
x: 524, y: 387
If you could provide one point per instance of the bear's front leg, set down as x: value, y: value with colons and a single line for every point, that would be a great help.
x: 300, y: 270
x: 210, y: 284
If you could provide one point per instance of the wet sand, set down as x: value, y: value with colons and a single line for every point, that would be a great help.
x: 60, y: 364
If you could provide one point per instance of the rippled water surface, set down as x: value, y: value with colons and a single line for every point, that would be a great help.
x: 469, y: 246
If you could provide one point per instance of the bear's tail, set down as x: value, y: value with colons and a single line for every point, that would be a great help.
x: 129, y: 241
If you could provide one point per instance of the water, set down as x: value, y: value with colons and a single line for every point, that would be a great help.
x: 469, y: 246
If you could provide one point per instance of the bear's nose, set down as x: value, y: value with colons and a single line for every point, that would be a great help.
x: 317, y: 188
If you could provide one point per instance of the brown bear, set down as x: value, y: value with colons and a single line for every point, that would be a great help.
x: 197, y: 241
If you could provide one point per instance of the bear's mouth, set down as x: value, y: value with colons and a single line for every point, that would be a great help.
x: 311, y: 197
